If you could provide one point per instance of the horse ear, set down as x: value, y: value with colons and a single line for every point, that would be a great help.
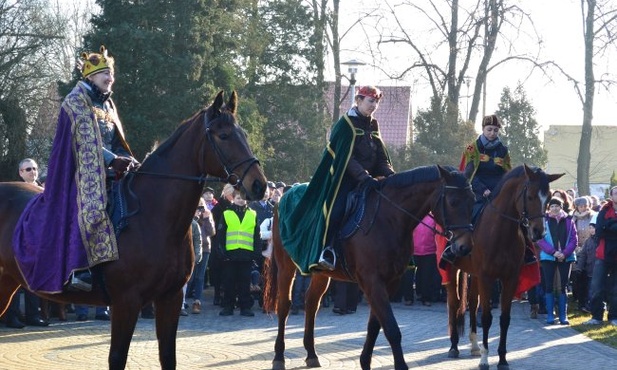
x: 554, y: 177
x: 233, y: 102
x: 443, y: 173
x: 218, y: 101
x: 528, y: 171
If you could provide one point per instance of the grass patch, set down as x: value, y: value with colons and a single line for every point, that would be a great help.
x: 605, y: 333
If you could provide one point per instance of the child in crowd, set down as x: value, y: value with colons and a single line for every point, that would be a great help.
x: 585, y: 261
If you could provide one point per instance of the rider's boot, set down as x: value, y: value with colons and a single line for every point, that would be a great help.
x: 327, y: 259
x: 530, y: 255
x: 447, y: 257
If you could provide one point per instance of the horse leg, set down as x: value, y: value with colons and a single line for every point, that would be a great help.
x: 317, y: 288
x: 473, y: 315
x: 8, y: 287
x: 381, y: 309
x: 485, y: 286
x: 167, y: 312
x: 372, y: 331
x: 124, y: 314
x: 457, y: 295
x: 507, y: 293
x: 285, y: 278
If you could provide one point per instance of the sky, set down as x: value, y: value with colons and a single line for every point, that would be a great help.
x: 558, y: 22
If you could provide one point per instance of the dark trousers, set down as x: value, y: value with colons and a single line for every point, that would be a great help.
x: 31, y: 302
x: 406, y: 289
x: 428, y: 280
x: 215, y: 268
x: 549, y: 268
x: 300, y: 286
x: 346, y: 295
x: 236, y: 281
x: 604, y: 289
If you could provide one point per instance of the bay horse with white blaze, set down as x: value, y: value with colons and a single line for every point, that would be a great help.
x: 376, y: 256
x: 156, y: 257
x: 516, y: 208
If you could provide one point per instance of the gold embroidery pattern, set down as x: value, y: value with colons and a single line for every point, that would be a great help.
x: 106, y: 116
x: 96, y: 230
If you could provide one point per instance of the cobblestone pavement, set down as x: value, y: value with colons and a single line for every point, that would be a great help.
x: 210, y: 341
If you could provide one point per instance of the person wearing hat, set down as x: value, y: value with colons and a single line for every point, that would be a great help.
x: 354, y: 155
x: 485, y: 160
x: 208, y: 197
x: 88, y: 152
x: 557, y: 254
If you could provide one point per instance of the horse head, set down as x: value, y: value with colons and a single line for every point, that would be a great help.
x: 452, y: 210
x: 531, y: 198
x: 228, y: 143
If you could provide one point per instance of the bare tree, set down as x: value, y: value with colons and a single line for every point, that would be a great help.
x: 452, y: 45
x: 26, y: 31
x: 600, y: 24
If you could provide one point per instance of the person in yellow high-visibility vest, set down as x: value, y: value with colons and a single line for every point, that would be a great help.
x: 240, y: 246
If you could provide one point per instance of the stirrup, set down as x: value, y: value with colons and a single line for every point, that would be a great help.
x: 447, y: 257
x: 327, y: 259
x: 80, y: 281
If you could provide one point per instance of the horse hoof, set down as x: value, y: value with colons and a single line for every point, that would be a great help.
x: 312, y: 362
x: 278, y: 365
x: 503, y: 367
x: 483, y: 367
x: 453, y: 353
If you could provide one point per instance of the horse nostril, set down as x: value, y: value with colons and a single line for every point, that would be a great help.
x: 258, y: 189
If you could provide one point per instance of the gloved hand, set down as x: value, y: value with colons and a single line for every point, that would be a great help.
x: 370, y: 183
x: 121, y: 164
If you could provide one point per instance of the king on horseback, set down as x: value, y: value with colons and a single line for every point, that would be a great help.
x: 68, y: 222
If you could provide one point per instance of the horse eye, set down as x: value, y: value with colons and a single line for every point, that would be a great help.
x: 224, y: 136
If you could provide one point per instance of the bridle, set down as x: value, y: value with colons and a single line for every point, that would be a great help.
x: 524, y: 216
x: 230, y: 169
x: 448, y: 230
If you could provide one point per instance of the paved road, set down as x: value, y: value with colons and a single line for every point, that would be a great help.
x: 213, y: 342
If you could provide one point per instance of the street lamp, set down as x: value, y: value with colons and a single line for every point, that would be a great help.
x: 352, y: 68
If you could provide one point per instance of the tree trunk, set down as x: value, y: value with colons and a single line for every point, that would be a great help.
x: 584, y: 151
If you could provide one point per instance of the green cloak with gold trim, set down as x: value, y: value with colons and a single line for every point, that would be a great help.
x: 304, y: 210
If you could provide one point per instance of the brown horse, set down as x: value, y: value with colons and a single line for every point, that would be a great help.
x: 156, y: 257
x: 516, y: 207
x: 377, y: 256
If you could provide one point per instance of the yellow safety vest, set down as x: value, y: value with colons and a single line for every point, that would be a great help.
x: 240, y: 234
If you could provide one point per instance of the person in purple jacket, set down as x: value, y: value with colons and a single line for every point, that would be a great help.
x: 557, y: 254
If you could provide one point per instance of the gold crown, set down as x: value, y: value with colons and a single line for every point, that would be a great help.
x: 94, y: 62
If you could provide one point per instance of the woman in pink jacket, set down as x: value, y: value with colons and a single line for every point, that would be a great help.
x: 428, y: 280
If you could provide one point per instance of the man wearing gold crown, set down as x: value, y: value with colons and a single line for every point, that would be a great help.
x: 66, y: 228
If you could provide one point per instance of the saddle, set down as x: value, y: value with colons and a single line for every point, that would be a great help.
x: 355, y: 209
x: 117, y: 208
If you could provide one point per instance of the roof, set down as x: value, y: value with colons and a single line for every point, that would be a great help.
x: 394, y: 113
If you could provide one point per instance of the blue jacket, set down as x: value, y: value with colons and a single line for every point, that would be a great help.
x: 547, y: 245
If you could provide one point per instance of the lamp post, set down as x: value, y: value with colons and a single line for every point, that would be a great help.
x: 352, y: 68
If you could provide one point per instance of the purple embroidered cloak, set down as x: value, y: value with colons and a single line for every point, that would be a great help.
x: 66, y: 228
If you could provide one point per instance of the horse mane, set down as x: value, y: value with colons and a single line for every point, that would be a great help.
x: 518, y: 172
x: 423, y: 174
x: 171, y: 140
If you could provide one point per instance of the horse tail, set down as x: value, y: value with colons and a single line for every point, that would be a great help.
x: 270, y: 285
x: 271, y: 271
x: 462, y: 287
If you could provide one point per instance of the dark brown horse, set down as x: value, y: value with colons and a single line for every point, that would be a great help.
x: 377, y: 256
x: 516, y: 207
x: 156, y: 257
